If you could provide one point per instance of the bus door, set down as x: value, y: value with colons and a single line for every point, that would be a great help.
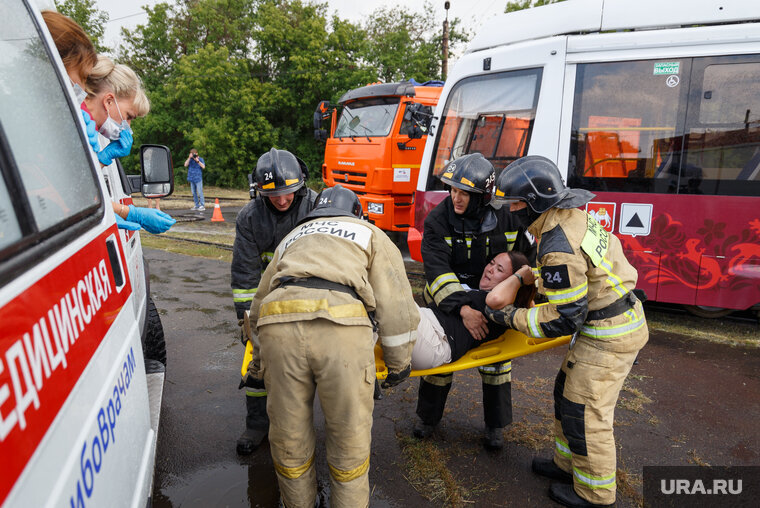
x: 671, y: 147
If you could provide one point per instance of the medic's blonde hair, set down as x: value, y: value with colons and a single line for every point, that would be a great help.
x: 108, y: 76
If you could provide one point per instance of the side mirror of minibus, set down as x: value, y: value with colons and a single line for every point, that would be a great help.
x: 156, y: 171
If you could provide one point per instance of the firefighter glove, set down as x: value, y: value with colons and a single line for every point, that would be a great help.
x: 395, y: 377
x: 502, y: 316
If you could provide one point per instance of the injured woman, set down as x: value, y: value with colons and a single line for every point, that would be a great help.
x: 445, y: 337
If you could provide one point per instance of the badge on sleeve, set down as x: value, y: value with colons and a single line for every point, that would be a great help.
x: 555, y: 277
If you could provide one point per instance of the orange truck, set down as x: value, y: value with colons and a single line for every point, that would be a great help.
x: 374, y: 146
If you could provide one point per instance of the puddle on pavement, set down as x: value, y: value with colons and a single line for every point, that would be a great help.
x: 224, y: 485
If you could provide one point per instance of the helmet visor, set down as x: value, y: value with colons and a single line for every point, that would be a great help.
x: 503, y: 199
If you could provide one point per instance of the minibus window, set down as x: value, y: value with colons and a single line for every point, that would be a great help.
x: 49, y: 151
x: 723, y: 128
x: 491, y: 114
x: 626, y: 124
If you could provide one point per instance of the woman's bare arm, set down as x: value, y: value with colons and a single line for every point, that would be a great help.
x: 505, y: 291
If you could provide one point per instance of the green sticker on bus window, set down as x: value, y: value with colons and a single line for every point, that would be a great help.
x: 666, y: 68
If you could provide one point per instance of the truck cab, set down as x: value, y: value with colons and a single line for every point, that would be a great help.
x: 375, y: 145
x: 82, y: 351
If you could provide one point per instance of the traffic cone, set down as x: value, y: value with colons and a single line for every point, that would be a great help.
x: 217, y: 215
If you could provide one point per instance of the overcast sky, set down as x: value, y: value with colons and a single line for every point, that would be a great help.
x: 473, y: 13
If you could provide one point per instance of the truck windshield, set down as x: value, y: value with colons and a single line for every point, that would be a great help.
x: 367, y: 117
x: 491, y: 114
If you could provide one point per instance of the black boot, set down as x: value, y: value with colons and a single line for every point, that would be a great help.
x: 547, y: 468
x: 256, y: 425
x: 493, y: 438
x: 565, y: 495
x: 422, y: 430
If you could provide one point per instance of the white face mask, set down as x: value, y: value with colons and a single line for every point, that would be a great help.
x: 110, y: 128
x: 80, y: 94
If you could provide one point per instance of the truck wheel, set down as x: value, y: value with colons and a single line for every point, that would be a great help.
x: 154, y: 347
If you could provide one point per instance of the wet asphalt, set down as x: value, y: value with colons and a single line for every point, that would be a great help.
x: 687, y: 402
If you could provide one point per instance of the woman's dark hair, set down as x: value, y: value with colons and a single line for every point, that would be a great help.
x: 525, y: 294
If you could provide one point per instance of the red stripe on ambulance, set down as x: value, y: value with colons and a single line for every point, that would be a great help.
x: 50, y: 333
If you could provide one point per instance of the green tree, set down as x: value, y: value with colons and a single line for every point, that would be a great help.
x: 519, y: 5
x: 405, y: 44
x: 235, y: 77
x: 91, y: 19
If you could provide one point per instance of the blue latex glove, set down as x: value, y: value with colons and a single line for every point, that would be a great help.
x: 122, y: 224
x: 91, y: 130
x: 154, y: 221
x: 117, y: 148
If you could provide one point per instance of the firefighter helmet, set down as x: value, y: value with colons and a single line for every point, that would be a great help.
x: 336, y: 202
x: 278, y: 172
x: 472, y: 173
x: 537, y: 181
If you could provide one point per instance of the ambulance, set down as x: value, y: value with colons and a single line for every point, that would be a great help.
x: 653, y: 106
x: 82, y: 352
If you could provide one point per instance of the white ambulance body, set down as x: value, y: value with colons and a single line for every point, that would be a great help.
x: 652, y: 105
x: 79, y: 400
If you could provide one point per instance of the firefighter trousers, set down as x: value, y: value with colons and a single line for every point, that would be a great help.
x: 337, y: 362
x: 586, y: 391
x: 497, y: 395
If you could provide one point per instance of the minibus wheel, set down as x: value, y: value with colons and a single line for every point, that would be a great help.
x: 154, y: 346
x: 708, y: 312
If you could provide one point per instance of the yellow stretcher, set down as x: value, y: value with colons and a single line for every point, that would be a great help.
x: 510, y: 345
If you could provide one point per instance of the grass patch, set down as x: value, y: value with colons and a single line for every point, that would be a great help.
x: 427, y: 473
x: 628, y: 484
x: 695, y: 459
x: 721, y: 331
x: 536, y: 432
x: 188, y: 249
x: 633, y: 399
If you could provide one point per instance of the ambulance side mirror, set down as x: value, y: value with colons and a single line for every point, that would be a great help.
x: 156, y: 171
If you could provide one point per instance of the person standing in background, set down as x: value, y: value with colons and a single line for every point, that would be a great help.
x: 195, y: 166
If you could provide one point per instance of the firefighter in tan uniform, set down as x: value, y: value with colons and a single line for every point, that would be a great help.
x: 589, y: 285
x: 330, y: 279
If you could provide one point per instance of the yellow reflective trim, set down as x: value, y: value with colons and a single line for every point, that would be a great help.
x: 441, y: 294
x: 291, y: 181
x: 499, y: 193
x: 615, y: 282
x: 291, y: 473
x: 439, y: 380
x: 594, y: 482
x: 448, y: 174
x: 268, y: 186
x: 466, y: 182
x: 311, y: 306
x: 447, y: 239
x: 351, y: 474
x: 533, y: 324
x: 567, y: 295
x: 442, y: 280
x: 562, y: 448
x: 492, y: 380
